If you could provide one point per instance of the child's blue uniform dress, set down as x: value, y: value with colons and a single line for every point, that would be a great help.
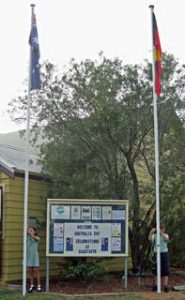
x: 32, y: 251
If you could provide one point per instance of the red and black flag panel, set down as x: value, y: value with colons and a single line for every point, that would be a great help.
x: 157, y: 56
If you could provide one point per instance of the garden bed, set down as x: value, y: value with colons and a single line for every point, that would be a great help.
x: 113, y: 283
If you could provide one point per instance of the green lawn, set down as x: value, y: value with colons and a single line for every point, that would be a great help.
x: 14, y: 295
x: 6, y: 295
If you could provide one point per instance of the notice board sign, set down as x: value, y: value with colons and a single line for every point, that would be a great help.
x: 87, y: 228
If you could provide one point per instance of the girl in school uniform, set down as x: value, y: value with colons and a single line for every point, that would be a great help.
x: 33, y: 258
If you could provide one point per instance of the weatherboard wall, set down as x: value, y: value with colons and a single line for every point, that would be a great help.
x: 13, y: 220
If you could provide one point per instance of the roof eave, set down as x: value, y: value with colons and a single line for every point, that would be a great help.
x: 10, y: 172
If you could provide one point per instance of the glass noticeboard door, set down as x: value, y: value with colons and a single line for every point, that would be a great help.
x: 87, y: 228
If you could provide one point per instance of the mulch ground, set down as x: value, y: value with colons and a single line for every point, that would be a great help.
x: 114, y: 283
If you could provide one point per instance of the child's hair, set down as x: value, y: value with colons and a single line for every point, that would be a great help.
x: 162, y: 226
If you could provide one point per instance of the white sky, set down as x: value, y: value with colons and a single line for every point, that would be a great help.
x: 81, y: 29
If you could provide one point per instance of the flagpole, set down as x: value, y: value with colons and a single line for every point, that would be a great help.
x: 26, y: 179
x: 156, y: 138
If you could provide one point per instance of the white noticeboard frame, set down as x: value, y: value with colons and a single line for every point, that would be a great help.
x: 88, y: 228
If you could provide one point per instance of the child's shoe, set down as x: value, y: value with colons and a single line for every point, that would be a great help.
x: 166, y: 289
x: 32, y: 287
x: 39, y: 289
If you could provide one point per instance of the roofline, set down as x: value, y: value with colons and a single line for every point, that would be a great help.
x: 34, y: 176
x: 7, y: 170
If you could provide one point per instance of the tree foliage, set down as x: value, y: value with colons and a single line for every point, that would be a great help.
x: 96, y: 121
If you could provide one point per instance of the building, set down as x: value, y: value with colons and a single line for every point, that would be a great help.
x: 12, y: 167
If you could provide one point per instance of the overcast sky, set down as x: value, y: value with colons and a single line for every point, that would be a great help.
x: 81, y: 29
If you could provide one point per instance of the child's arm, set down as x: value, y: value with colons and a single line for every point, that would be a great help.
x: 164, y: 235
x: 150, y: 236
x: 31, y: 232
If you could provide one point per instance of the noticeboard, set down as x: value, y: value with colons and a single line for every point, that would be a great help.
x: 87, y: 228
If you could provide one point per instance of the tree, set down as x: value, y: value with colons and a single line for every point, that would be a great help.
x: 96, y: 120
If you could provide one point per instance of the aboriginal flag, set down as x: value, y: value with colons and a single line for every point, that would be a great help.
x: 157, y: 56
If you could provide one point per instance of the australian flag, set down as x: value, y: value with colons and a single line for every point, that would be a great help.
x: 35, y: 55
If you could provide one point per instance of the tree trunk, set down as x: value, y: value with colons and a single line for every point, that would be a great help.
x: 134, y: 233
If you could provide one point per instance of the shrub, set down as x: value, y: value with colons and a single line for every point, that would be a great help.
x: 87, y: 271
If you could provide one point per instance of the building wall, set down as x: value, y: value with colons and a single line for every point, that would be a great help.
x: 13, y: 220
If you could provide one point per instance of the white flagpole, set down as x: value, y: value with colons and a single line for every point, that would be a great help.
x: 156, y: 134
x: 26, y: 179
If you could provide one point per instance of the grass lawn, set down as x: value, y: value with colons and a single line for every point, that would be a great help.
x: 6, y: 294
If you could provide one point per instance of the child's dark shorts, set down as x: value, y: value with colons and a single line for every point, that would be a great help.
x: 165, y: 265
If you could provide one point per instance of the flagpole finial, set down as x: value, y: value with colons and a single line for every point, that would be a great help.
x: 151, y: 6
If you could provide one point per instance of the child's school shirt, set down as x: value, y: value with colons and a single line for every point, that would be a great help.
x: 163, y: 242
x: 32, y: 251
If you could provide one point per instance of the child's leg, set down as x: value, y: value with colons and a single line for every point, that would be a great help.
x: 165, y: 283
x: 31, y: 273
x: 165, y: 280
x: 37, y: 275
